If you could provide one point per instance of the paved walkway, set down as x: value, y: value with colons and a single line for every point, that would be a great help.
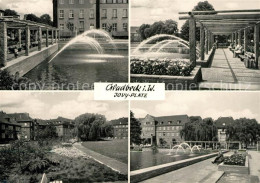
x: 202, y: 172
x: 227, y: 69
x: 112, y: 163
x: 254, y: 163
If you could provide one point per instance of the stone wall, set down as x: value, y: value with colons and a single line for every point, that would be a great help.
x: 24, y: 64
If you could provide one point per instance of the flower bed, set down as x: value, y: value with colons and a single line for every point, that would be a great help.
x: 235, y: 159
x: 171, y: 67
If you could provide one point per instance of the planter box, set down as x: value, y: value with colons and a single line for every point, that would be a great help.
x: 235, y: 168
x: 172, y: 82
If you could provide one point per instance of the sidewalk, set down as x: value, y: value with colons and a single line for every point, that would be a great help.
x: 254, y: 163
x: 112, y: 163
x: 227, y: 69
x: 202, y: 172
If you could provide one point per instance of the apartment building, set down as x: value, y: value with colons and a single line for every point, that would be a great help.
x: 120, y: 128
x: 77, y: 16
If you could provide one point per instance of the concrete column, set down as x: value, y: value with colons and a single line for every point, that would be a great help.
x: 56, y: 36
x: 27, y: 40
x: 47, y: 37
x: 206, y: 42
x: 3, y: 44
x: 36, y: 35
x: 256, y: 43
x: 19, y: 38
x: 245, y: 39
x: 202, y: 43
x: 236, y: 36
x: 59, y: 35
x: 239, y: 37
x: 52, y: 36
x: 209, y: 40
x: 232, y: 38
x: 192, y: 40
x: 39, y: 39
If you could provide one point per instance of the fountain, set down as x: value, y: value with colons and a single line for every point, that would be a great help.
x: 160, y: 45
x: 88, y: 58
x: 183, y: 147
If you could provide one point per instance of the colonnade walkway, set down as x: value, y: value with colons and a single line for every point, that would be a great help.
x: 226, y: 69
x: 206, y: 172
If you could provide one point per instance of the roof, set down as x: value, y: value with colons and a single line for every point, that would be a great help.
x: 134, y: 29
x: 172, y: 120
x: 4, y: 119
x: 120, y: 121
x: 120, y: 34
x: 57, y: 122
x: 20, y: 117
x: 222, y: 122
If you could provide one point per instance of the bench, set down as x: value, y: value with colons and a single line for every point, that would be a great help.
x: 249, y: 60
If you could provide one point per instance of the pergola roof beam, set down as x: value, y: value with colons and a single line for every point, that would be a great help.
x: 221, y: 11
x: 220, y: 17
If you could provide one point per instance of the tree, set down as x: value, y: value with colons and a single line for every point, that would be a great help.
x: 9, y: 12
x: 107, y: 130
x: 201, y: 6
x: 160, y: 27
x: 49, y: 132
x: 135, y: 130
x: 46, y: 19
x: 89, y: 126
x: 199, y: 130
x: 32, y: 17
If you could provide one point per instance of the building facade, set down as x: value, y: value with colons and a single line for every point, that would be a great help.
x: 27, y: 124
x: 120, y: 128
x: 9, y: 129
x: 64, y: 127
x: 163, y: 130
x: 78, y: 16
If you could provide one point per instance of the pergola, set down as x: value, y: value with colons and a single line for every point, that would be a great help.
x: 14, y: 23
x: 211, y: 23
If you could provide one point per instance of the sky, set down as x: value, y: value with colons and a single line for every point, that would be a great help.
x: 50, y: 105
x: 156, y: 10
x: 37, y: 7
x: 204, y: 104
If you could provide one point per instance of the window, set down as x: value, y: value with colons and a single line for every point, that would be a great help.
x: 91, y: 15
x: 114, y: 13
x: 164, y: 128
x: 125, y: 1
x: 71, y: 15
x: 71, y: 1
x: 125, y: 27
x: 81, y: 1
x: 26, y: 136
x: 173, y: 128
x: 114, y: 1
x: 114, y: 26
x: 104, y: 13
x: 81, y: 25
x: 61, y: 1
x: 103, y: 1
x: 92, y: 26
x: 61, y: 13
x: 81, y: 13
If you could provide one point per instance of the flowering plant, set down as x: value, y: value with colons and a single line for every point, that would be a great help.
x: 172, y: 67
x: 235, y: 159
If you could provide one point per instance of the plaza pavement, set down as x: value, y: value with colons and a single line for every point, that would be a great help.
x: 110, y: 162
x: 226, y: 69
x: 206, y: 172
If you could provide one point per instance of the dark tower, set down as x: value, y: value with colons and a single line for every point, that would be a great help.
x: 55, y: 13
x: 97, y: 14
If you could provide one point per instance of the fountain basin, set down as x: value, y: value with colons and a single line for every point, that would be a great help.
x: 147, y: 173
x: 172, y: 82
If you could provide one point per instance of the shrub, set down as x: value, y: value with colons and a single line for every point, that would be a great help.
x: 172, y: 67
x: 10, y: 82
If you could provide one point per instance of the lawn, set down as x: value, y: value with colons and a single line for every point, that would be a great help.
x: 116, y: 149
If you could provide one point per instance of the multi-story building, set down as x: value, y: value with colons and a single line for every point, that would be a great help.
x: 1, y: 13
x: 27, y: 124
x: 78, y: 16
x: 120, y: 128
x: 135, y: 35
x: 9, y: 129
x: 165, y: 128
x: 221, y: 124
x: 64, y: 127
